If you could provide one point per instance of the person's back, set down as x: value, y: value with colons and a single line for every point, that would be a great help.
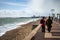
x: 43, y: 24
x: 49, y: 23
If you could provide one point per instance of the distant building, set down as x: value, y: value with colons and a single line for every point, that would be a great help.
x: 35, y: 16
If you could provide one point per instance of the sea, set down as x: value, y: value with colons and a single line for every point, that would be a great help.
x: 7, y: 24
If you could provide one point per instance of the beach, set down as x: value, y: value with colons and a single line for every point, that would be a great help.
x: 19, y: 33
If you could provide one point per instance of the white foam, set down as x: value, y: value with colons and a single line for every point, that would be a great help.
x: 8, y: 27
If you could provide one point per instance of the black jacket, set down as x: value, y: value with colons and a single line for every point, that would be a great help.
x: 48, y: 22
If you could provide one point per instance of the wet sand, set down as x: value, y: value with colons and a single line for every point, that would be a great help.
x: 19, y: 33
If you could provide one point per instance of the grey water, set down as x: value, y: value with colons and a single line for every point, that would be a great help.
x: 7, y: 24
x: 12, y: 20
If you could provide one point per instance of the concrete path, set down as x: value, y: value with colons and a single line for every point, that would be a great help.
x: 53, y: 35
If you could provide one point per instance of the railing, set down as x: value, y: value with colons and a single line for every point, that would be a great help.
x: 57, y: 20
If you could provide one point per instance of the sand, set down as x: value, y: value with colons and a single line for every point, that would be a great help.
x: 19, y: 33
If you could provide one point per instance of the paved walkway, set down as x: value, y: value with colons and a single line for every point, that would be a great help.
x: 53, y: 35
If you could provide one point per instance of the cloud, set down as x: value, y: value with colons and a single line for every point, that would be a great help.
x: 13, y: 4
x: 14, y: 13
x: 34, y: 7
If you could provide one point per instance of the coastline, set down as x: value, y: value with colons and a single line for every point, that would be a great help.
x: 19, y: 33
x: 10, y: 26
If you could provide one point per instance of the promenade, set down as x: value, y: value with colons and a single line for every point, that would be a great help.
x: 26, y: 33
x: 53, y: 35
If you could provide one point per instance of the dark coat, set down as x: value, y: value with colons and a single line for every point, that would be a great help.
x: 49, y: 22
x: 42, y: 22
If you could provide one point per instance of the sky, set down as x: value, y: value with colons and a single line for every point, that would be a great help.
x: 27, y: 8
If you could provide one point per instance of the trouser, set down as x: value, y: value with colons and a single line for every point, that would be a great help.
x: 49, y: 28
x: 43, y: 28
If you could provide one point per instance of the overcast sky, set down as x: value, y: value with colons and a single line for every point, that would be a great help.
x: 23, y: 8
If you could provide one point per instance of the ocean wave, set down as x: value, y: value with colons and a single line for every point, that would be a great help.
x: 8, y: 27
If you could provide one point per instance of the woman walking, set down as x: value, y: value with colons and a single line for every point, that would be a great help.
x: 43, y: 24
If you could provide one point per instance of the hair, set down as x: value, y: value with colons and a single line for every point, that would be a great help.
x: 49, y: 17
x: 43, y: 17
